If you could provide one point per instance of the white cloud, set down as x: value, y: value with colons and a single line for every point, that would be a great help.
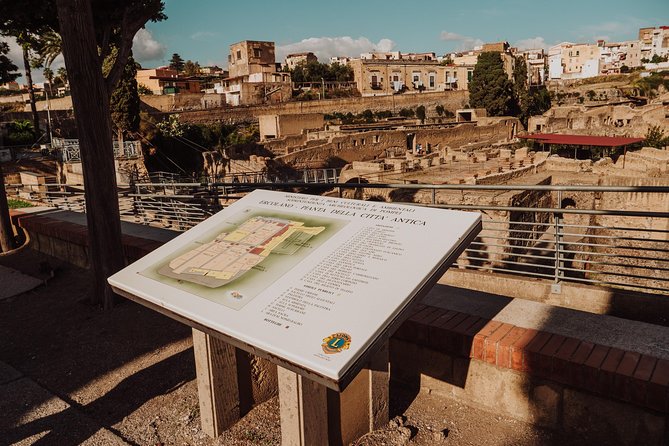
x: 16, y: 56
x: 533, y: 43
x: 326, y: 47
x: 145, y: 48
x: 463, y: 42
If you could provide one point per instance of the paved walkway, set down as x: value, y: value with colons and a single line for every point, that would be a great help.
x: 43, y: 415
x: 14, y: 283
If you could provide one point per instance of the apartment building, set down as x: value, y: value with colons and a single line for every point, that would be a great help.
x: 654, y: 41
x: 614, y: 55
x: 255, y: 77
x: 536, y: 65
x: 469, y: 58
x: 377, y: 77
x: 165, y: 80
x: 573, y: 61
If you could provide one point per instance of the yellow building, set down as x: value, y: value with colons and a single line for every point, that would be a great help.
x: 377, y: 77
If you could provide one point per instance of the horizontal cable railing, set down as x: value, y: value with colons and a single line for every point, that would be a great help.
x: 615, y: 236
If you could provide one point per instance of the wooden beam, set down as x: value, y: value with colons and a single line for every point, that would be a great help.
x: 217, y: 383
x: 312, y: 414
x: 303, y: 408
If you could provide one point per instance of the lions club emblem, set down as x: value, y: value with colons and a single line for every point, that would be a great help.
x: 336, y: 342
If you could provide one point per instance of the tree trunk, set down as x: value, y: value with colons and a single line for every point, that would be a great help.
x: 6, y: 232
x: 90, y: 100
x: 31, y: 89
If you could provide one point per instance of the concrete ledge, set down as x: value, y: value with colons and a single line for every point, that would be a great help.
x: 64, y: 234
x: 626, y: 375
x: 652, y: 308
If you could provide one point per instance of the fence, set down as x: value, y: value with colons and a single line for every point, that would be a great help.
x: 559, y: 233
x: 68, y: 149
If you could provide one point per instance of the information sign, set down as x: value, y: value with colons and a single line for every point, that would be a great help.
x: 310, y: 282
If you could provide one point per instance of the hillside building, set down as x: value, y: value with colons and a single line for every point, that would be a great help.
x: 292, y: 60
x: 654, y: 41
x: 167, y: 81
x: 255, y: 77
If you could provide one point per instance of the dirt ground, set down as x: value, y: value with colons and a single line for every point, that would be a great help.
x: 129, y: 374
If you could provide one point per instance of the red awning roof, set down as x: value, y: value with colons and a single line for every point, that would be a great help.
x: 582, y: 140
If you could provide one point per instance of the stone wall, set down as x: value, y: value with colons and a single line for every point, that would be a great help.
x: 450, y: 100
x: 364, y: 146
x: 610, y: 120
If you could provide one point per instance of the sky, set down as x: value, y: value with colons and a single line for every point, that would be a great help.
x: 202, y: 30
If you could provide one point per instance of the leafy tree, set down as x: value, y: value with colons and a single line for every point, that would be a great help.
x: 367, y: 116
x: 407, y: 113
x: 177, y: 63
x: 655, y: 137
x: 7, y: 74
x: 529, y: 100
x: 339, y: 72
x: 7, y: 68
x: 90, y: 30
x: 314, y: 71
x: 420, y: 113
x: 143, y: 90
x: 125, y: 102
x: 490, y: 87
x: 658, y: 59
x: 439, y: 109
x: 383, y: 114
x: 21, y: 132
x: 191, y: 68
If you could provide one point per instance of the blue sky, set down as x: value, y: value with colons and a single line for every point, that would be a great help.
x: 202, y: 30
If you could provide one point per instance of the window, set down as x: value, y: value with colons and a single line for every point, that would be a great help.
x: 416, y: 78
x: 432, y: 75
x: 376, y: 138
x: 470, y: 73
x: 257, y: 52
x: 239, y: 54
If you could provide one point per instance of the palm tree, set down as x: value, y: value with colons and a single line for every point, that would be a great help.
x: 48, y: 75
x: 49, y: 45
x: 61, y: 74
x: 27, y: 43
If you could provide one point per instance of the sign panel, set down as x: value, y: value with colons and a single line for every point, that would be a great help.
x: 310, y: 281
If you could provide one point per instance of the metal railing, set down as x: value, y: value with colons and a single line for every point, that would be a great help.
x: 68, y: 149
x: 616, y: 236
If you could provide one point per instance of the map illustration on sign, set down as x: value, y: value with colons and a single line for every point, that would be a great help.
x: 243, y: 256
x: 232, y: 254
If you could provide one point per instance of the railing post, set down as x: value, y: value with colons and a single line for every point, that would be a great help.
x: 557, y: 216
